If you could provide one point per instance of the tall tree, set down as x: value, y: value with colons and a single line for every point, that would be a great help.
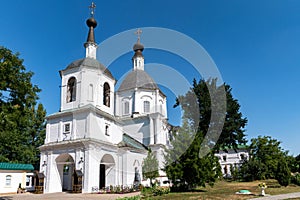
x: 150, y: 167
x: 22, y: 121
x: 283, y: 173
x: 183, y: 163
x: 208, y: 110
x: 267, y: 160
x: 215, y: 110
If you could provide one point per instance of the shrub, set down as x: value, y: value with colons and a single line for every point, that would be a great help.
x: 154, y: 191
x: 130, y: 198
x: 295, y: 179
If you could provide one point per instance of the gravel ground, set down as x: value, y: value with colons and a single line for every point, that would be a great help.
x: 281, y: 196
x: 64, y: 196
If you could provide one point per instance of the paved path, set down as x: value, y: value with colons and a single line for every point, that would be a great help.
x: 278, y: 197
x: 65, y: 196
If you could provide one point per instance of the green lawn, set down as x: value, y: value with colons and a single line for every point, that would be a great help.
x: 226, y: 190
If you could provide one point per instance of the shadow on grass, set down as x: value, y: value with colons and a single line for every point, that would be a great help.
x: 197, y: 190
x: 6, y: 198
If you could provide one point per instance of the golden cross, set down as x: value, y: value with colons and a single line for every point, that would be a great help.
x: 92, y: 8
x: 138, y: 33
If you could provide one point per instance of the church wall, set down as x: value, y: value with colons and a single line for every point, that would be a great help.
x: 104, y: 129
x: 92, y: 90
x: 142, y: 96
x: 66, y: 76
x: 53, y: 170
x: 133, y: 160
x: 52, y: 131
x: 56, y: 130
x: 159, y: 154
x: 162, y: 105
x: 81, y: 128
x: 121, y: 97
x: 138, y: 128
x: 94, y: 156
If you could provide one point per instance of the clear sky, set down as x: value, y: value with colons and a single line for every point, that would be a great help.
x: 255, y: 45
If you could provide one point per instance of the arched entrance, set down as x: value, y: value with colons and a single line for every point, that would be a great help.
x: 107, y: 171
x: 65, y: 165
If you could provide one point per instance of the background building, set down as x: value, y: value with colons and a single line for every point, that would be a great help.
x: 230, y: 157
x: 13, y: 175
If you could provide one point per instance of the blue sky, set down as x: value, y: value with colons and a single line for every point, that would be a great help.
x: 255, y: 45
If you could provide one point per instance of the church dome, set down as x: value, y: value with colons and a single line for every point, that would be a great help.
x: 138, y: 79
x: 90, y: 63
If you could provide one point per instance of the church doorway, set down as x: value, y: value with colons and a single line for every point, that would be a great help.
x: 102, y: 176
x: 65, y: 166
x: 107, y: 171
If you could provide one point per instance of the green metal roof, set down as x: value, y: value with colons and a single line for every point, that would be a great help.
x: 131, y: 142
x: 239, y: 146
x: 16, y: 166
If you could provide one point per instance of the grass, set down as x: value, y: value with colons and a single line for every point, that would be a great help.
x: 226, y: 190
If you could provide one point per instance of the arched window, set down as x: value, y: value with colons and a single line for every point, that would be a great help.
x: 71, y: 90
x: 106, y: 130
x: 106, y: 95
x: 8, y: 180
x: 91, y: 92
x: 126, y: 108
x: 146, y: 106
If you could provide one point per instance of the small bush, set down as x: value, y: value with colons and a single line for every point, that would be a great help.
x: 154, y: 191
x: 295, y: 179
x: 130, y: 198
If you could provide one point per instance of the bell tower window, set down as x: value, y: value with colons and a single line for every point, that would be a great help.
x: 146, y: 106
x: 126, y: 108
x: 106, y: 95
x: 71, y: 90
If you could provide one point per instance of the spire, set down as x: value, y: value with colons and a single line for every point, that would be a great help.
x: 90, y: 44
x: 138, y: 58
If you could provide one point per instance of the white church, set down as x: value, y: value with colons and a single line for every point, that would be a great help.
x: 101, y: 134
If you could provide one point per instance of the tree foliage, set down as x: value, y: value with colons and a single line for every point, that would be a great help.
x: 22, y: 121
x: 205, y: 115
x: 283, y: 173
x: 209, y: 110
x: 267, y: 160
x: 150, y: 167
x: 293, y: 163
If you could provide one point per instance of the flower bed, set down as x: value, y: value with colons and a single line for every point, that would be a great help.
x: 119, y: 189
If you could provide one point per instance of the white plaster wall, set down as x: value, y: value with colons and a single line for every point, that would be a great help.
x: 17, y: 177
x: 120, y: 97
x: 54, y: 172
x: 52, y: 131
x: 138, y: 128
x: 80, y: 129
x: 97, y: 129
x: 162, y: 105
x: 84, y: 79
x: 142, y: 96
x: 232, y: 158
x: 97, y: 80
x: 132, y: 160
x: 64, y: 81
x: 92, y: 168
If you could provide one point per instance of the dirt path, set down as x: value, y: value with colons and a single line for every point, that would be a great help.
x: 65, y: 196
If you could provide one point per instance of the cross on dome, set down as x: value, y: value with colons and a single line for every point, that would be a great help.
x: 92, y: 8
x: 138, y: 33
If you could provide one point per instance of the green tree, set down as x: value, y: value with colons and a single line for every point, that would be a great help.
x: 209, y: 96
x: 293, y: 163
x: 22, y: 121
x: 150, y: 167
x: 205, y: 114
x: 267, y: 160
x: 183, y: 163
x: 283, y: 173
